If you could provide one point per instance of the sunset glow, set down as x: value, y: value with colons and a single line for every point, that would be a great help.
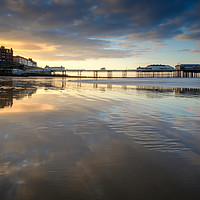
x: 91, y: 34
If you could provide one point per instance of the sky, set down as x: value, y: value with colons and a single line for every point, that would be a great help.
x: 90, y: 34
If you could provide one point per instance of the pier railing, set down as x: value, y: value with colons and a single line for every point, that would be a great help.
x: 129, y: 73
x: 81, y: 73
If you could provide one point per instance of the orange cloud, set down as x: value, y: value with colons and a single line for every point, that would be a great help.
x: 19, y: 46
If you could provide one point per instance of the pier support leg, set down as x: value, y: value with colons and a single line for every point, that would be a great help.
x: 95, y: 74
x: 79, y: 74
x: 124, y: 74
x: 109, y: 74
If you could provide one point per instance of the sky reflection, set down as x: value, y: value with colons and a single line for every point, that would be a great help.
x: 85, y: 141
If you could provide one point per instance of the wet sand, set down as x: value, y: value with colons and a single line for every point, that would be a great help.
x: 66, y: 140
x: 148, y: 82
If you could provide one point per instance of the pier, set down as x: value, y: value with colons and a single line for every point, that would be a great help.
x: 82, y: 73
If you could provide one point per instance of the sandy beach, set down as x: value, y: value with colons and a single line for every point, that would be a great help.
x: 65, y: 140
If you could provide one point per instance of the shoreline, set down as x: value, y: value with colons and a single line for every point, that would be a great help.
x: 187, y: 83
x: 147, y: 82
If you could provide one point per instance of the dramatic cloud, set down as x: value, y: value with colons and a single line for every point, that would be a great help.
x: 84, y: 29
x: 194, y: 35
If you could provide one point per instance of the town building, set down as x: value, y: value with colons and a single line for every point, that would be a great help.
x: 31, y: 63
x: 24, y: 61
x: 6, y: 54
x: 187, y: 67
x: 21, y: 60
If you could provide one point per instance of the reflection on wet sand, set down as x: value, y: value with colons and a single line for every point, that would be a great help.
x: 9, y: 90
x: 80, y: 141
x: 15, y: 89
x: 177, y: 91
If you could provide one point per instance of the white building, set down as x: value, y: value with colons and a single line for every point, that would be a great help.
x: 24, y: 61
x: 31, y: 72
x: 156, y: 67
x: 31, y: 63
x: 17, y: 72
x: 20, y: 60
x: 55, y: 68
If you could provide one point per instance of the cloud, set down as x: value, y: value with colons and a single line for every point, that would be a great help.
x: 195, y: 51
x: 194, y: 35
x: 79, y: 30
x: 190, y: 50
x: 192, y: 25
x: 5, y: 28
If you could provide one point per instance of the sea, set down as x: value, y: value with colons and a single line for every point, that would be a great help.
x: 99, y: 139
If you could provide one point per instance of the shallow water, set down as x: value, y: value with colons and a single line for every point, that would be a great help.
x: 132, y: 139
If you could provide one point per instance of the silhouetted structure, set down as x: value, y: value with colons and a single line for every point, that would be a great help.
x: 6, y: 54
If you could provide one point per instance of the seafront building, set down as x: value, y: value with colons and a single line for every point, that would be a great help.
x: 24, y: 61
x: 6, y: 54
x: 156, y: 67
x: 31, y: 63
x: 187, y: 67
x: 20, y: 60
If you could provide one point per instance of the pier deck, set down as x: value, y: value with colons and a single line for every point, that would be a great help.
x: 133, y: 73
